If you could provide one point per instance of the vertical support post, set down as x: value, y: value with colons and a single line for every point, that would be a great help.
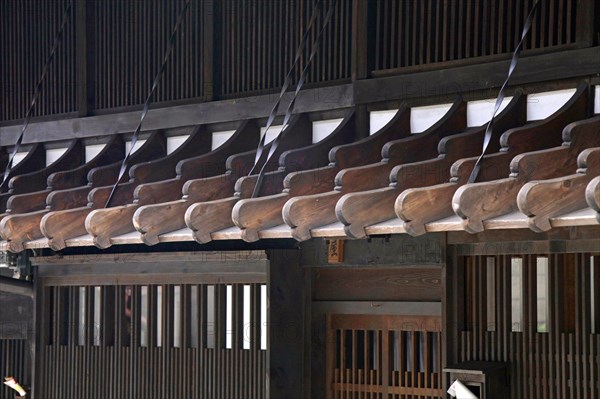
x: 362, y: 15
x: 587, y: 23
x: 285, y: 317
x: 38, y: 330
x: 452, y: 273
x: 84, y: 55
x: 210, y: 55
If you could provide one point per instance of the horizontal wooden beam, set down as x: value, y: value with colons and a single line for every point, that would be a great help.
x: 17, y: 287
x: 378, y: 307
x: 447, y: 82
x: 197, y: 258
x: 310, y: 100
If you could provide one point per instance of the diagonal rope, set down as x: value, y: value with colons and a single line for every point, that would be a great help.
x: 290, y: 108
x: 501, y: 93
x: 36, y: 94
x: 146, y: 107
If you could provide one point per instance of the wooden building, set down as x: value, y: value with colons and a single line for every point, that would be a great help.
x: 364, y: 263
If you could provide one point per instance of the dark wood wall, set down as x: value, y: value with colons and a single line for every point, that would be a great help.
x: 532, y: 304
x: 159, y: 326
x: 110, y: 51
x: 384, y: 286
x: 14, y: 362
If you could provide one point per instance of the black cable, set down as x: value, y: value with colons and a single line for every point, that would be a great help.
x: 290, y: 108
x: 136, y: 132
x: 501, y: 93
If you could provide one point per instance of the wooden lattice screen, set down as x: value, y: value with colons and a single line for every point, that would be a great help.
x: 141, y: 341
x: 541, y: 315
x: 410, y: 33
x: 384, y: 357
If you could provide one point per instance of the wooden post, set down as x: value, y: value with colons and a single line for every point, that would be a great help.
x: 285, y: 325
x: 211, y: 54
x: 361, y: 60
x: 586, y: 23
x: 84, y: 55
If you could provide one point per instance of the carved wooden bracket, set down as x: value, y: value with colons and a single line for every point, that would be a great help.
x: 477, y: 202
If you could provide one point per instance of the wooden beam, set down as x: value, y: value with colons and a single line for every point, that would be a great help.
x: 406, y: 283
x: 208, y: 217
x: 368, y: 196
x: 255, y: 214
x: 476, y: 202
x: 17, y: 287
x: 312, y: 208
x: 285, y: 320
x: 309, y: 100
x: 222, y: 167
x: 447, y: 81
x: 103, y: 224
x: 541, y: 200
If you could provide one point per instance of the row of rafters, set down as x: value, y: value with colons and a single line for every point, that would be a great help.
x: 535, y: 174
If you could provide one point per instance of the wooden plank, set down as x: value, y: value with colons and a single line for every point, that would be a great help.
x: 309, y: 100
x: 542, y: 200
x: 387, y: 284
x: 536, y: 68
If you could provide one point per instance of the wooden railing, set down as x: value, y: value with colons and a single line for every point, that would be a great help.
x: 410, y: 33
x: 540, y: 315
x: 110, y: 51
x: 384, y: 356
x: 155, y: 340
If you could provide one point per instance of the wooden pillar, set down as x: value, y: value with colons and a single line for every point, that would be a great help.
x: 39, y: 330
x: 211, y: 49
x: 84, y: 55
x: 452, y: 319
x: 362, y: 61
x: 285, y: 325
x: 587, y: 23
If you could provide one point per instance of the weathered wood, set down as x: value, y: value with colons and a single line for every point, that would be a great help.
x: 16, y: 287
x: 33, y: 161
x: 254, y: 214
x: 540, y: 68
x: 592, y: 195
x: 37, y: 180
x: 113, y: 151
x: 103, y: 224
x: 479, y: 201
x: 428, y: 204
x: 358, y: 208
x: 63, y: 224
x: 33, y: 201
x: 205, y: 218
x: 311, y: 204
x: 407, y: 283
x: 544, y: 199
x: 160, y: 213
x: 286, y: 311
